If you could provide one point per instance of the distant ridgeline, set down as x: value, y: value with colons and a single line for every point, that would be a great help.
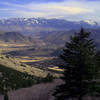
x: 33, y: 25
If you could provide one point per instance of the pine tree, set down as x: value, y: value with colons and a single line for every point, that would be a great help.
x: 80, y: 69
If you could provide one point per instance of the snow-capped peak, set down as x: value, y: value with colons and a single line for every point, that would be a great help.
x: 25, y: 19
x: 90, y: 22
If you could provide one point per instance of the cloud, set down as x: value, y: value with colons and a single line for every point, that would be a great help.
x: 49, y: 7
x: 72, y: 10
x: 68, y: 9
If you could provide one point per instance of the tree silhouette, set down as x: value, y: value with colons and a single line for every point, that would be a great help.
x: 80, y: 69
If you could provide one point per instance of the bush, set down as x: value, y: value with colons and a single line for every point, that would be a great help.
x: 48, y: 78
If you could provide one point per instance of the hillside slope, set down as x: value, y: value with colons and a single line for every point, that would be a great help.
x: 15, y: 64
x: 18, y: 38
x: 59, y: 38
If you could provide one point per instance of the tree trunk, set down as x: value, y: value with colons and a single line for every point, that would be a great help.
x: 80, y: 98
x: 6, y: 96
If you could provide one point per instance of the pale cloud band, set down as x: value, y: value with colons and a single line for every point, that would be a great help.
x: 68, y: 9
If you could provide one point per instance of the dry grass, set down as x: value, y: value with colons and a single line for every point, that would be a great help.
x: 23, y: 60
x: 36, y: 92
x: 25, y: 57
x: 56, y: 68
x: 12, y: 45
x: 8, y: 47
x: 17, y: 65
x: 34, y: 59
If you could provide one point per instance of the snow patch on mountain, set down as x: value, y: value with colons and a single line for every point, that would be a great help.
x: 91, y: 22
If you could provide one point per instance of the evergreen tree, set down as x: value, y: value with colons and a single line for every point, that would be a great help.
x: 80, y: 69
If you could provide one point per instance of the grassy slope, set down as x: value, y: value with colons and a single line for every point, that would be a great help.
x: 17, y: 65
x: 11, y: 79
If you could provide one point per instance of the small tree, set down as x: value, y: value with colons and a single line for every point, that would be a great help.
x: 48, y: 78
x: 80, y: 69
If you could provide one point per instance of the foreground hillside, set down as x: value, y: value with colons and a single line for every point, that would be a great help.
x: 17, y: 65
x: 12, y: 79
x: 15, y: 75
x: 37, y: 92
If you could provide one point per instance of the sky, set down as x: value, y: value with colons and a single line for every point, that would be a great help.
x: 74, y: 10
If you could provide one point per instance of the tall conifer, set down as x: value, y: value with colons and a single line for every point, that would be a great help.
x: 80, y: 71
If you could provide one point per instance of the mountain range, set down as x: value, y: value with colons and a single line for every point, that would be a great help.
x: 44, y: 32
x: 35, y: 25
